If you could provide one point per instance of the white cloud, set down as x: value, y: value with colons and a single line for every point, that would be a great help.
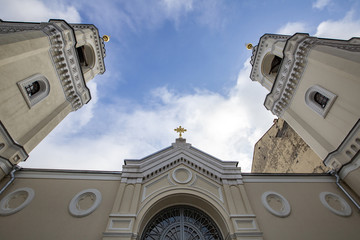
x: 345, y: 28
x: 321, y: 4
x: 37, y: 11
x: 291, y: 28
x: 224, y: 126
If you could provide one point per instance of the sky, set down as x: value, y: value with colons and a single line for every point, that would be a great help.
x: 171, y: 63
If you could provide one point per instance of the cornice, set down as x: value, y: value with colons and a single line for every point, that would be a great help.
x: 180, y: 153
x: 64, y: 57
x: 346, y: 156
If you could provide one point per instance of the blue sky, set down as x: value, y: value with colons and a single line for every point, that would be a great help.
x: 171, y: 63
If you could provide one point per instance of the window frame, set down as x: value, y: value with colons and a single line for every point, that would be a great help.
x: 39, y: 95
x: 315, y: 106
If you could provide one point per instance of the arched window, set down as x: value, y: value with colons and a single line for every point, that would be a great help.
x: 270, y: 66
x: 319, y: 99
x: 34, y: 89
x: 181, y: 222
x: 86, y: 57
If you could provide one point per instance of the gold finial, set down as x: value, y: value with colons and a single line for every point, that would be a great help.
x: 106, y: 38
x: 180, y: 130
x: 249, y: 46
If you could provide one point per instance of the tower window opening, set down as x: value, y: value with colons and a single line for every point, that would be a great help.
x: 320, y: 99
x: 86, y: 56
x: 32, y: 88
x: 270, y: 67
x: 275, y: 65
x: 82, y: 57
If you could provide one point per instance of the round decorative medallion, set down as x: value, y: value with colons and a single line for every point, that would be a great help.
x: 85, y: 202
x: 16, y: 200
x: 335, y: 203
x: 182, y: 175
x: 276, y: 204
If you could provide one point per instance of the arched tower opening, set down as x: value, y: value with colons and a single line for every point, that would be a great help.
x: 86, y: 56
x: 270, y: 66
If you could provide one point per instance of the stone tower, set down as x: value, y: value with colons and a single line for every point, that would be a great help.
x: 314, y: 86
x: 44, y: 68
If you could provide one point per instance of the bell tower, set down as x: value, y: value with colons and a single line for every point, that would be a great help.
x: 44, y: 70
x: 314, y: 86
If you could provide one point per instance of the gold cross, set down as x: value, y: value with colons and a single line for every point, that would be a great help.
x: 180, y: 130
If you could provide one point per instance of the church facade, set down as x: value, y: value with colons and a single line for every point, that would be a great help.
x: 179, y: 192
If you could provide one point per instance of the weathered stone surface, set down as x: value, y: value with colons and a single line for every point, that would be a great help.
x: 282, y: 150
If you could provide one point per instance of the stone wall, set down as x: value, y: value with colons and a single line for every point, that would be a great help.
x: 282, y: 150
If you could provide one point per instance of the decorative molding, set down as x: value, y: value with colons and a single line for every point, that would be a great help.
x: 62, y: 174
x: 289, y: 179
x: 62, y: 51
x: 276, y: 204
x: 215, y: 187
x: 335, y: 204
x: 348, y: 168
x: 75, y: 207
x: 147, y: 193
x: 293, y: 65
x: 65, y: 60
x: 309, y: 100
x: 245, y: 224
x: 347, y: 150
x: 180, y: 153
x: 181, y: 172
x: 10, y: 150
x: 182, y: 161
x: 120, y: 224
x: 43, y: 92
x: 16, y: 201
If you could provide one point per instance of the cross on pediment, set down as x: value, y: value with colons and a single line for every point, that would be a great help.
x: 180, y: 130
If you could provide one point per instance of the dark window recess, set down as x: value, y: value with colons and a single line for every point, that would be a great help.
x: 32, y: 88
x: 82, y: 58
x: 275, y: 65
x: 321, y: 99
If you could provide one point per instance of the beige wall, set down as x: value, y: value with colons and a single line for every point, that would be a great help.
x: 337, y: 71
x: 18, y: 53
x: 48, y: 217
x: 308, y: 219
x: 240, y: 214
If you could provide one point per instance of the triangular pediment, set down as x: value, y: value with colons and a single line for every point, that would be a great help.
x: 180, y: 153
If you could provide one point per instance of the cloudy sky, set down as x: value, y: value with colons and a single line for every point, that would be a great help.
x: 171, y: 63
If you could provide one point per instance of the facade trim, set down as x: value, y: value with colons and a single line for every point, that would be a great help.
x: 347, y: 151
x: 293, y: 179
x: 26, y: 193
x: 10, y: 150
x: 67, y: 175
x: 43, y: 91
x: 309, y: 100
